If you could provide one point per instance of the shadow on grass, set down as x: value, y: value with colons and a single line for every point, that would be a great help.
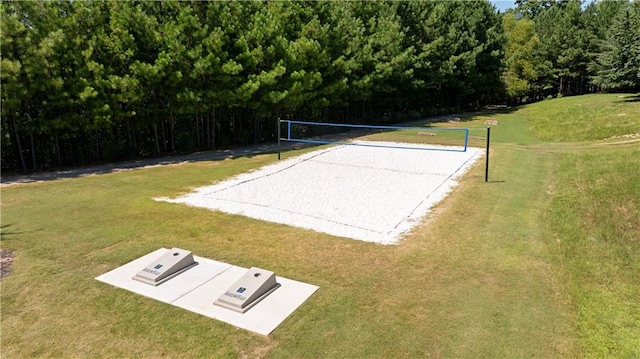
x: 248, y: 151
x: 466, y: 116
x: 8, y: 235
x: 4, y: 234
x: 632, y: 98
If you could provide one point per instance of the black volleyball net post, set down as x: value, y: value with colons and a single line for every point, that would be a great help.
x: 278, y: 125
x: 486, y: 164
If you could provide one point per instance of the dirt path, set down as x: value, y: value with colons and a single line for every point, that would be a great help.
x: 130, y: 165
x: 6, y: 258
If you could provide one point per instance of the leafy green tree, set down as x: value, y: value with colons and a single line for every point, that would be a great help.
x: 520, y: 50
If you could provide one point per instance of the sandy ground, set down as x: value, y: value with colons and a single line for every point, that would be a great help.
x: 366, y: 193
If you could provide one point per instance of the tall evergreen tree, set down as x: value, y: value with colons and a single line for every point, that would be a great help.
x: 106, y: 80
x: 17, y: 99
x: 618, y: 64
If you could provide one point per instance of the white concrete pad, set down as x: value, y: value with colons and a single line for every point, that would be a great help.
x: 197, y: 288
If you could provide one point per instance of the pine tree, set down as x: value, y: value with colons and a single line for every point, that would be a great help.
x: 618, y: 64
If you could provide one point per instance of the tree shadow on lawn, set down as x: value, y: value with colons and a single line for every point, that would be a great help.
x: 632, y: 98
x: 9, y: 236
x: 217, y: 155
x: 249, y: 151
x: 4, y: 234
x: 465, y: 116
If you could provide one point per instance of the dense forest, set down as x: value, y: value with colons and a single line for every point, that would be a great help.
x: 87, y: 82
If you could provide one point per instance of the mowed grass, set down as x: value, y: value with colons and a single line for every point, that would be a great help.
x: 584, y: 118
x: 595, y: 216
x: 542, y: 261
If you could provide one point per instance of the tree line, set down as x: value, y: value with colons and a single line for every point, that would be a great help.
x: 563, y: 48
x: 87, y: 82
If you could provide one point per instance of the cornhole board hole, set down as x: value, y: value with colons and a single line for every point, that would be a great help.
x: 249, y: 290
x: 165, y: 267
x: 196, y: 289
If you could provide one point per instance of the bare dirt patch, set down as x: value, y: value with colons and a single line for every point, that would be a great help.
x: 625, y: 136
x: 6, y: 259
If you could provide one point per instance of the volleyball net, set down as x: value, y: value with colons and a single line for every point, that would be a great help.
x: 418, y: 138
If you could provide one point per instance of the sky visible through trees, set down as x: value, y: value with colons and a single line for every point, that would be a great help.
x: 503, y: 5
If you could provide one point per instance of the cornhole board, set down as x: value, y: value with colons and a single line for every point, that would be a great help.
x: 165, y: 267
x: 198, y: 287
x: 255, y: 285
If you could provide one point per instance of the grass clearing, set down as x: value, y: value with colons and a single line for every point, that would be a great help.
x: 542, y: 261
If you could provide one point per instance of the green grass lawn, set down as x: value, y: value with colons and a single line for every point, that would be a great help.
x: 542, y: 261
